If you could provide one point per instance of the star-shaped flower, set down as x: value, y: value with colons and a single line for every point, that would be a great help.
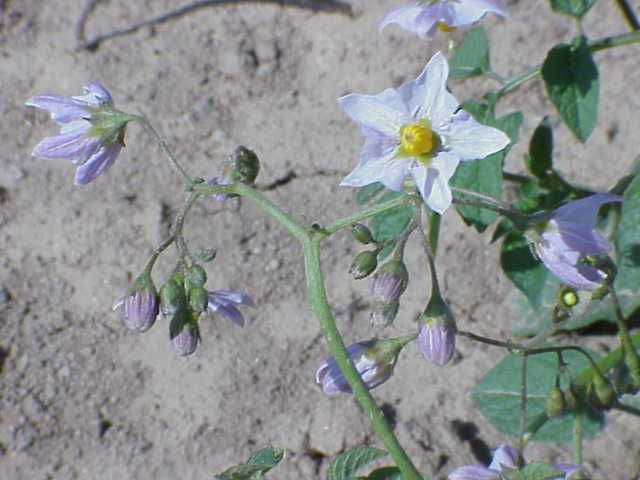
x: 417, y: 130
x: 424, y: 17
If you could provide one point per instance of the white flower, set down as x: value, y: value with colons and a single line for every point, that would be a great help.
x: 417, y: 130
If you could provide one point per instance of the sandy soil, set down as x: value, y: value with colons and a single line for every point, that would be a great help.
x: 81, y: 398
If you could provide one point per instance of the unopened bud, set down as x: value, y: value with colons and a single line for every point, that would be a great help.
x: 571, y: 398
x: 361, y: 233
x: 437, y: 335
x: 184, y: 333
x: 139, y: 309
x: 389, y: 282
x: 198, y: 299
x: 602, y: 394
x: 374, y: 360
x: 195, y: 276
x: 554, y: 402
x: 206, y: 255
x: 172, y: 295
x: 383, y: 314
x: 363, y: 264
x: 243, y: 166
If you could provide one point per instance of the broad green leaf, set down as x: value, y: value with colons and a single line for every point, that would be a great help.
x: 571, y: 78
x: 367, y: 192
x: 627, y: 241
x: 385, y: 473
x: 471, y: 57
x: 528, y: 320
x: 577, y: 8
x: 540, y: 158
x: 485, y: 175
x: 498, y: 396
x: 537, y: 471
x: 390, y: 224
x: 523, y: 269
x: 345, y: 465
x: 257, y: 465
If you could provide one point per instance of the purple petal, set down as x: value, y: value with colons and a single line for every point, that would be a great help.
x: 62, y: 109
x: 102, y: 159
x: 95, y: 95
x: 436, y: 344
x: 563, y: 265
x: 230, y: 313
x: 504, y: 456
x: 432, y: 15
x: 584, y: 210
x: 471, y: 472
x: 580, y: 238
x: 467, y: 12
x: 383, y: 112
x: 406, y: 16
x: 65, y: 145
x: 471, y: 140
x: 232, y: 296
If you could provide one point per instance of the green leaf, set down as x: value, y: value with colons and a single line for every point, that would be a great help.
x: 571, y: 78
x: 386, y: 251
x: 577, y: 8
x: 390, y: 224
x: 471, y: 57
x: 498, y: 396
x: 627, y: 241
x: 485, y: 175
x: 345, y: 465
x: 385, y: 473
x: 537, y: 471
x: 256, y: 466
x: 527, y: 273
x: 367, y: 192
x: 540, y: 158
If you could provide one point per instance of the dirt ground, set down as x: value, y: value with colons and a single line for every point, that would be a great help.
x: 82, y: 398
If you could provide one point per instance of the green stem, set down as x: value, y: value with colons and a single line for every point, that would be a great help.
x: 577, y: 437
x: 523, y: 404
x: 178, y: 225
x: 317, y: 297
x: 628, y: 14
x: 630, y: 353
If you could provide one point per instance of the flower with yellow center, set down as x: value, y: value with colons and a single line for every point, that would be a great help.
x: 425, y: 17
x: 417, y: 130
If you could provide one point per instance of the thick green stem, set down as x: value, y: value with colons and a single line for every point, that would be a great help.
x: 318, y: 299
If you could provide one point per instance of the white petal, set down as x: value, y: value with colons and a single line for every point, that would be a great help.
x: 404, y: 16
x: 471, y: 140
x: 467, y: 12
x: 388, y: 170
x: 433, y: 181
x: 384, y: 112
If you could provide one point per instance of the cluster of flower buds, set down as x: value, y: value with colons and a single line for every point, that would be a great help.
x: 183, y: 298
x: 389, y: 283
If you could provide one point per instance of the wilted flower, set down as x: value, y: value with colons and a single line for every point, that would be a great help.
x: 139, y: 309
x: 374, y: 360
x: 424, y: 17
x: 91, y: 133
x: 569, y: 235
x: 504, y: 458
x: 224, y: 302
x: 417, y: 130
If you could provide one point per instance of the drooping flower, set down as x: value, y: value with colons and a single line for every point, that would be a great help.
x: 424, y: 17
x: 374, y: 360
x: 504, y: 458
x: 568, y: 236
x: 389, y: 283
x: 91, y: 133
x: 417, y: 130
x: 437, y: 343
x: 224, y: 302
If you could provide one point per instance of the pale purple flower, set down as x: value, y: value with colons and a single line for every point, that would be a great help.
x: 568, y: 471
x: 91, y: 133
x: 424, y: 17
x: 436, y: 343
x: 504, y: 458
x: 224, y: 302
x: 568, y: 236
x: 417, y: 130
x: 139, y: 309
x: 374, y: 360
x: 220, y: 180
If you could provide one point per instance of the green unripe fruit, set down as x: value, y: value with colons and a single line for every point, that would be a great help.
x: 243, y: 165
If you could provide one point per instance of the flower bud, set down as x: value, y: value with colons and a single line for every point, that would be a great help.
x: 437, y: 335
x: 602, y: 394
x: 198, y: 299
x: 363, y: 264
x: 184, y: 332
x: 361, y: 233
x: 383, y: 315
x: 206, y: 254
x: 139, y: 309
x: 374, y: 360
x: 571, y: 398
x: 389, y: 282
x: 195, y: 276
x: 172, y: 295
x: 243, y: 166
x: 554, y: 402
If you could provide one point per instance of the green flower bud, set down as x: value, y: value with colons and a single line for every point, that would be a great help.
x: 361, y: 233
x: 195, y: 276
x: 602, y: 394
x: 554, y: 402
x: 243, y: 166
x: 206, y: 255
x: 363, y: 264
x: 198, y: 299
x: 172, y: 295
x: 383, y: 314
x: 571, y: 398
